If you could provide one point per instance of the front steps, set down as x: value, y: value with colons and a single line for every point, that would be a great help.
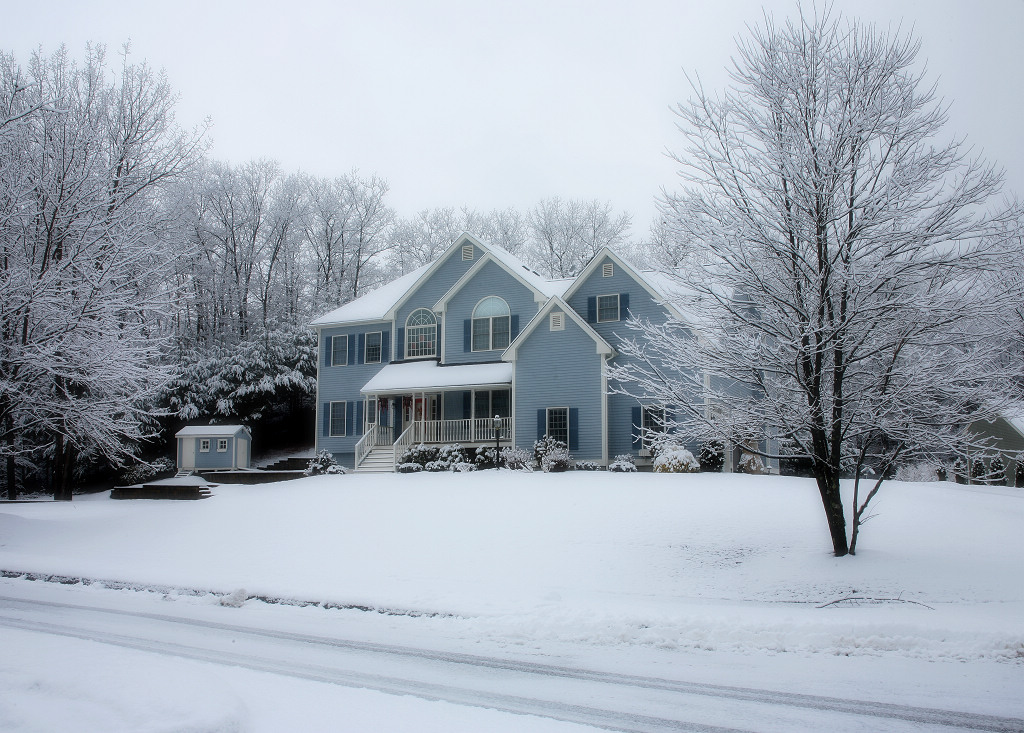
x: 378, y: 460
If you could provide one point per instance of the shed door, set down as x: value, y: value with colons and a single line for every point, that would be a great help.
x: 188, y: 453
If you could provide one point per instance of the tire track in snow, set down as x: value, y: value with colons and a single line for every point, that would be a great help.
x: 611, y: 719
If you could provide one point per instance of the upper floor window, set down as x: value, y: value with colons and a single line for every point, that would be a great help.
x: 373, y: 348
x: 491, y: 324
x: 421, y: 334
x: 607, y: 308
x: 339, y: 351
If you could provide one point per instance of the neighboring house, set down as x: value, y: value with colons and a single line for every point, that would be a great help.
x: 435, y: 355
x: 1006, y: 434
x: 213, y: 447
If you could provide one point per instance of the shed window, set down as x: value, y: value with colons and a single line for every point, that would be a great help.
x: 373, y: 341
x: 421, y: 334
x: 491, y: 324
x: 558, y: 424
x: 338, y: 419
x: 222, y: 445
x: 607, y: 308
x: 204, y: 445
x: 339, y: 351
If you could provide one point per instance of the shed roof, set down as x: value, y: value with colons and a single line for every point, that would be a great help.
x: 216, y: 431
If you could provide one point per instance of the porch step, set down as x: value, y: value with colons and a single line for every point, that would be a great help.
x: 379, y: 460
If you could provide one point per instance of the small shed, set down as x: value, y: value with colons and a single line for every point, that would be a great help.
x: 213, y: 447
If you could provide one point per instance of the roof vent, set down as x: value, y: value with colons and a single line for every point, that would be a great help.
x: 557, y: 321
x: 467, y: 251
x: 608, y: 270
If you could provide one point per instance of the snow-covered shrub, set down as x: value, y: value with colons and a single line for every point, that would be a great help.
x: 463, y: 467
x: 516, y: 459
x: 336, y: 469
x: 978, y: 471
x: 436, y: 466
x: 587, y: 466
x: 408, y: 468
x: 141, y: 472
x: 451, y: 455
x: 485, y: 457
x: 917, y: 472
x: 675, y: 459
x: 712, y: 456
x: 623, y: 464
x: 750, y: 463
x: 544, y: 446
x: 421, y: 454
x: 321, y: 464
x: 960, y: 471
x: 1018, y: 474
x: 997, y: 472
x: 556, y: 460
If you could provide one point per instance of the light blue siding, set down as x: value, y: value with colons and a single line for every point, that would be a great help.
x: 559, y: 369
x: 491, y: 279
x: 213, y: 458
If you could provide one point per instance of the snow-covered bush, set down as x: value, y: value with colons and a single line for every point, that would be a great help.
x: 140, y: 472
x: 587, y: 466
x: 323, y: 463
x: 750, y: 463
x: 675, y: 459
x: 960, y: 471
x: 516, y: 459
x: 623, y: 464
x: 463, y: 467
x: 485, y: 457
x: 1018, y: 474
x: 436, y: 466
x: 917, y: 472
x: 978, y: 471
x: 544, y: 446
x: 409, y: 468
x: 451, y: 455
x: 712, y: 456
x: 421, y: 454
x: 997, y: 472
x: 556, y: 460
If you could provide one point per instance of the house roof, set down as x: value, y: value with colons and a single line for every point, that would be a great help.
x: 373, y: 306
x: 603, y: 347
x: 428, y: 375
x: 661, y: 287
x: 1014, y: 414
x: 215, y: 431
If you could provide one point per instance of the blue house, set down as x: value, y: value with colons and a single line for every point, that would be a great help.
x: 435, y: 355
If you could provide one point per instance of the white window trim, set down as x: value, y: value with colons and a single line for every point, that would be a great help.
x: 490, y: 326
x: 370, y: 407
x: 343, y: 351
x: 547, y: 422
x: 222, y: 442
x: 366, y: 347
x: 408, y: 335
x: 618, y: 308
x: 204, y: 445
x: 344, y: 419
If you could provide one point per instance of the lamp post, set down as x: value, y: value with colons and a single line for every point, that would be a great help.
x: 497, y: 441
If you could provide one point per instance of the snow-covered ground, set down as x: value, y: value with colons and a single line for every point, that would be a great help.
x: 713, y: 578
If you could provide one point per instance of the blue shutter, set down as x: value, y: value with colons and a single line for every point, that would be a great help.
x: 328, y: 345
x: 350, y: 417
x: 327, y: 419
x: 361, y: 348
x: 360, y: 411
x: 542, y: 422
x: 351, y: 349
x: 574, y: 428
x: 400, y: 345
x: 467, y: 335
x: 467, y: 405
x: 514, y: 326
x: 385, y: 347
x: 592, y: 309
x: 635, y: 427
x: 623, y: 306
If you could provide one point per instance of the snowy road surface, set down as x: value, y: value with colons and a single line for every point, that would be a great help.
x: 599, y: 699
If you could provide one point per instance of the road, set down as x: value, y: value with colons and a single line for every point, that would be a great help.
x: 603, y: 699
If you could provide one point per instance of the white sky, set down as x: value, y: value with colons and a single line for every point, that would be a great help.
x: 496, y: 104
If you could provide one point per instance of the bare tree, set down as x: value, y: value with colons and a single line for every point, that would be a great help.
x: 842, y: 305
x: 565, y: 235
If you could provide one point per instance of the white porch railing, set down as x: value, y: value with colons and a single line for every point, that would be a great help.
x: 374, y: 436
x: 475, y: 430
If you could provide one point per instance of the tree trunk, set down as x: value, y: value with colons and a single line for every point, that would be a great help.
x: 12, y: 479
x: 63, y: 462
x: 832, y: 501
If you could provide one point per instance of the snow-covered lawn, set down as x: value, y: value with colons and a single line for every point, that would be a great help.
x: 644, y: 569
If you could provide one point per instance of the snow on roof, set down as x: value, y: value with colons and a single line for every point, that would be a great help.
x: 215, y: 430
x: 417, y: 375
x: 372, y: 306
x: 538, y: 281
x: 1014, y: 415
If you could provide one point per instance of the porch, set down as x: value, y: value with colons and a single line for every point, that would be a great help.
x: 423, y: 402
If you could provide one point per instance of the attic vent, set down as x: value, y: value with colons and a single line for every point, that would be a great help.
x: 557, y: 321
x: 467, y: 251
x: 608, y: 270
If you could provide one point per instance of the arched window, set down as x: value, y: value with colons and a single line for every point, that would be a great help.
x: 421, y: 334
x: 491, y: 324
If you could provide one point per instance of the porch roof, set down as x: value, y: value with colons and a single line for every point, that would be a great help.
x: 418, y: 376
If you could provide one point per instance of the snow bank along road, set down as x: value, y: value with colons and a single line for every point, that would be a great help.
x: 600, y: 699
